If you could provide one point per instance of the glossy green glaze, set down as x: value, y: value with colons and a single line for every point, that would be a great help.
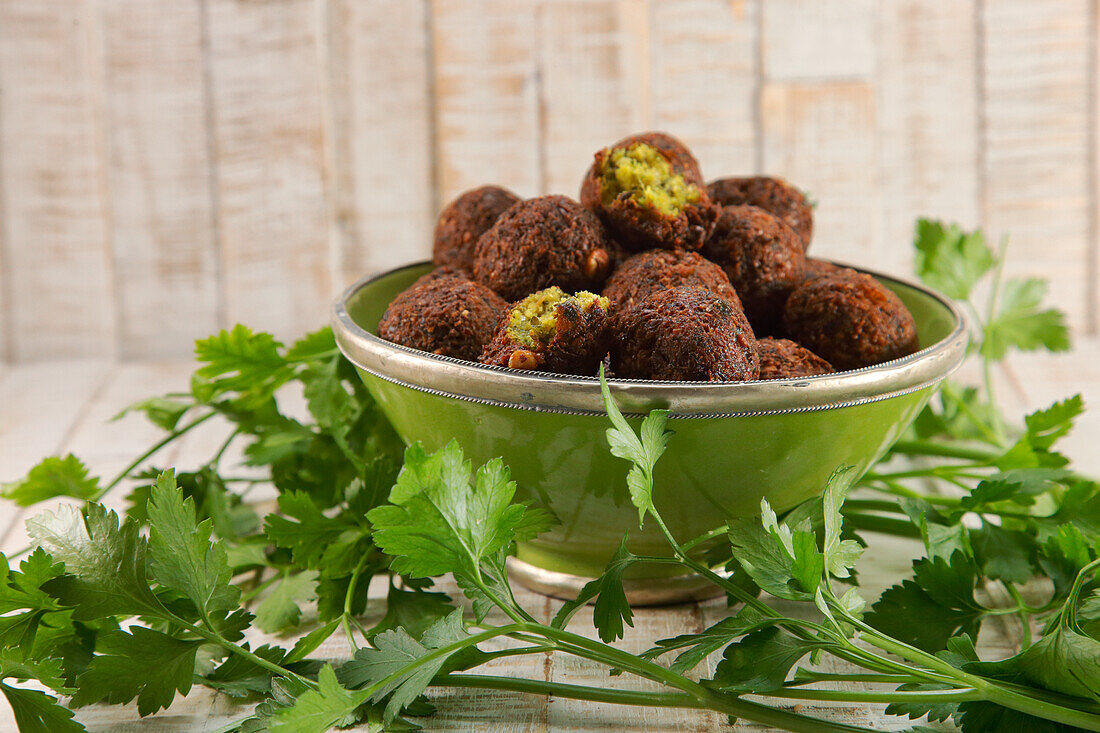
x: 714, y: 467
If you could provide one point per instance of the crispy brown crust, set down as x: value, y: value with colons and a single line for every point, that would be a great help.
x: 783, y: 359
x: 684, y: 334
x: 763, y: 259
x: 542, y: 242
x: 851, y: 320
x: 637, y: 228
x: 443, y: 314
x: 578, y: 345
x: 771, y: 194
x: 660, y: 269
x: 819, y: 268
x: 464, y: 220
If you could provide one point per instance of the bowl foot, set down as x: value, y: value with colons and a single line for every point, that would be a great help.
x: 639, y: 592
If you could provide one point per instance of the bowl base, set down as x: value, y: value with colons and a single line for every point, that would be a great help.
x: 639, y: 592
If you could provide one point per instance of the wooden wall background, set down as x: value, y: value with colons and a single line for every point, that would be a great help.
x: 168, y: 167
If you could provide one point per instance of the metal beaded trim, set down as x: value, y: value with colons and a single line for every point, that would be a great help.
x: 491, y: 385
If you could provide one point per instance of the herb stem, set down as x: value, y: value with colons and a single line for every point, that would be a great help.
x: 932, y: 448
x: 877, y: 696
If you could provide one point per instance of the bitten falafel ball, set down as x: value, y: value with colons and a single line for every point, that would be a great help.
x: 771, y: 194
x: 851, y: 320
x: 783, y: 359
x: 445, y: 314
x: 550, y: 240
x: 464, y: 220
x: 684, y: 334
x: 551, y: 331
x: 648, y: 191
x: 660, y: 269
x: 763, y: 259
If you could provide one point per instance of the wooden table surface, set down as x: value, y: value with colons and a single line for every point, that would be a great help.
x: 65, y: 406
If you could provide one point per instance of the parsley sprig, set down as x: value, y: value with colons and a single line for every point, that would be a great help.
x: 109, y: 608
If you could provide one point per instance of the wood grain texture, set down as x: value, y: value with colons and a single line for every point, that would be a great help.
x: 486, y: 96
x: 822, y: 137
x: 1036, y: 139
x: 928, y: 121
x: 265, y: 70
x: 819, y: 39
x: 57, y: 268
x: 704, y: 77
x: 380, y: 131
x: 594, y: 83
x: 159, y: 173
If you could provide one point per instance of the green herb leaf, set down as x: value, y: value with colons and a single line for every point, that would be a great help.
x: 612, y: 609
x: 642, y: 449
x: 310, y: 536
x: 143, y: 663
x: 698, y: 647
x: 279, y: 611
x: 316, y: 711
x: 37, y: 712
x: 950, y: 259
x: 1020, y: 324
x: 413, y: 610
x: 761, y: 661
x: 241, y: 361
x: 164, y: 412
x: 52, y: 477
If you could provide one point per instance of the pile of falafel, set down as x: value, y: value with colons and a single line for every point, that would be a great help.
x: 654, y: 273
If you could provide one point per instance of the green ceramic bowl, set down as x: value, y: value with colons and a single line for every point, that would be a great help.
x: 734, y: 442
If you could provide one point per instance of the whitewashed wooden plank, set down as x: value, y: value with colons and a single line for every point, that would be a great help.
x: 1036, y: 158
x: 703, y: 72
x: 928, y: 124
x: 106, y: 447
x: 59, y: 288
x: 594, y: 83
x: 381, y: 122
x: 822, y: 138
x: 486, y: 96
x: 161, y: 209
x: 819, y: 39
x: 265, y: 70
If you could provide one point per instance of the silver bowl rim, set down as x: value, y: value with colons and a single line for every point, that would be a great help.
x: 491, y: 385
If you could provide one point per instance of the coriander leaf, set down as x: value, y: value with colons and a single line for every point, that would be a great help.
x: 279, y: 611
x: 1020, y: 324
x: 396, y: 654
x: 329, y: 401
x: 642, y: 451
x: 313, y: 346
x: 840, y: 555
x: 241, y: 361
x: 164, y: 412
x: 143, y: 663
x: 612, y: 609
x: 105, y: 562
x: 182, y: 555
x: 316, y: 711
x: 1045, y: 427
x: 37, y: 712
x: 761, y: 661
x: 414, y: 610
x: 309, y: 536
x: 950, y: 259
x: 52, y: 477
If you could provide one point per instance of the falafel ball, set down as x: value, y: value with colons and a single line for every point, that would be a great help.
x: 445, y: 314
x: 771, y: 194
x: 684, y: 334
x: 763, y: 259
x: 648, y: 191
x: 551, y: 331
x: 819, y: 268
x: 851, y: 320
x: 783, y: 359
x: 464, y: 220
x: 550, y: 240
x: 660, y: 269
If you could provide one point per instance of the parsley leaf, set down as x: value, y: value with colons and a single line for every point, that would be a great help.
x: 316, y: 711
x: 142, y: 663
x: 37, y: 712
x: 52, y: 477
x: 414, y: 610
x: 950, y: 259
x: 1020, y: 324
x: 164, y: 412
x: 241, y: 361
x: 761, y: 661
x: 782, y: 561
x: 612, y: 609
x: 279, y: 610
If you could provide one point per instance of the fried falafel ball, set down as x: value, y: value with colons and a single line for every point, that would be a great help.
x: 660, y: 269
x: 851, y: 320
x: 464, y: 220
x: 444, y: 314
x: 550, y: 240
x: 551, y: 331
x: 771, y: 194
x: 684, y: 334
x: 820, y: 268
x: 763, y: 259
x: 783, y: 359
x: 648, y: 191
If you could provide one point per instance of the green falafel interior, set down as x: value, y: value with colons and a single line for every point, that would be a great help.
x: 534, y: 319
x: 643, y: 172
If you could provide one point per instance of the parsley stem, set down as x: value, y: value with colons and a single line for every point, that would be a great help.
x: 996, y: 420
x: 879, y: 696
x: 932, y: 448
x: 349, y: 596
x: 812, y: 676
x: 883, y: 525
